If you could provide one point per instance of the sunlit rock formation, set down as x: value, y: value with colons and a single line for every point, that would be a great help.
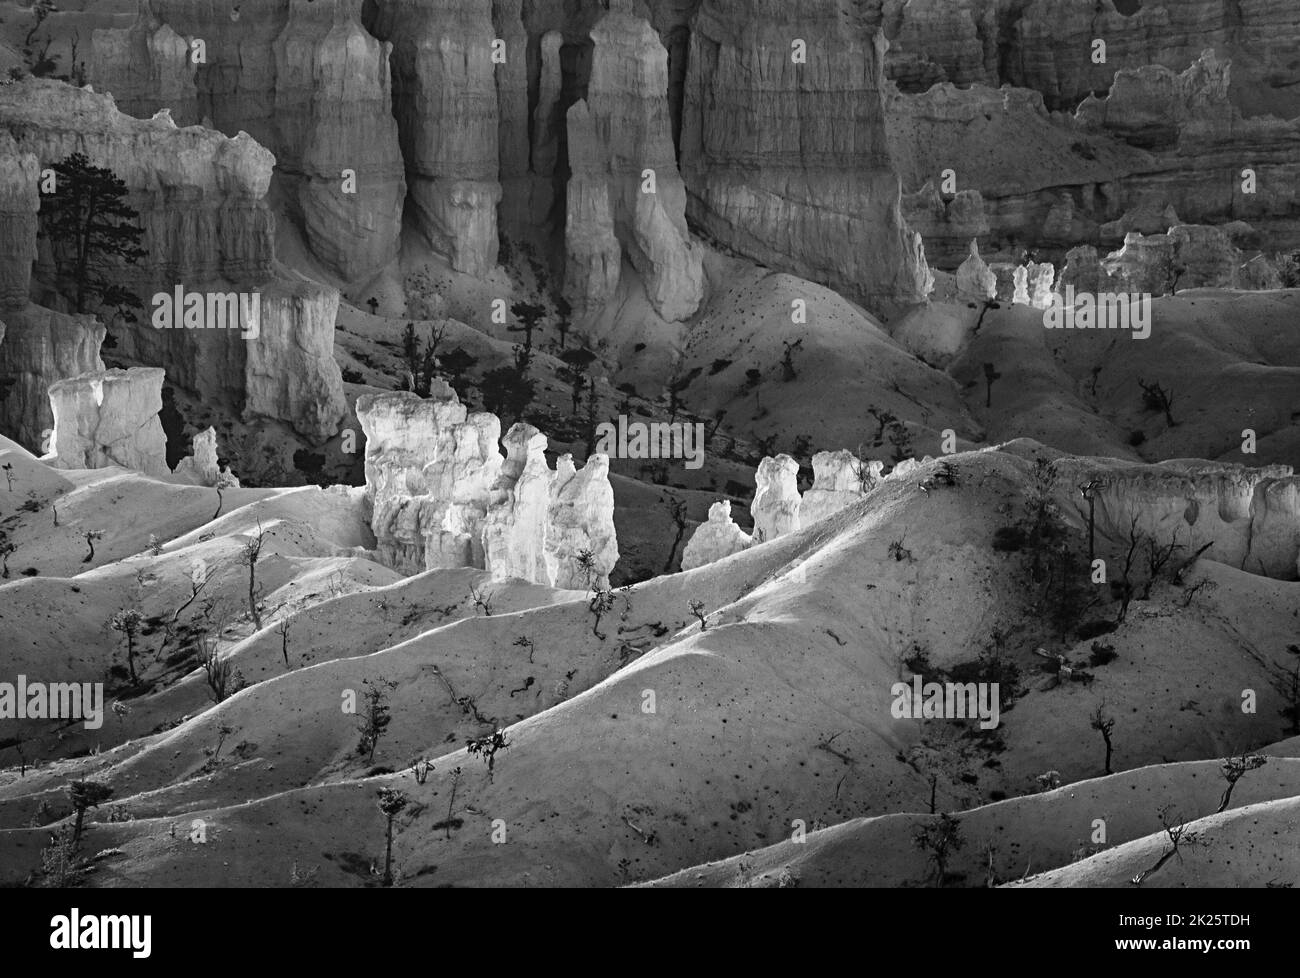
x: 201, y: 467
x: 108, y: 418
x: 715, y: 539
x: 442, y: 495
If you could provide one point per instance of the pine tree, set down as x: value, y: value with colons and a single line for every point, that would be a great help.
x: 93, y: 231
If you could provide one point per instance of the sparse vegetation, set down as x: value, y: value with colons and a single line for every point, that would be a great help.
x: 249, y: 556
x: 938, y: 839
x: 487, y: 747
x: 128, y: 622
x: 1103, y: 724
x: 1156, y: 398
x: 84, y: 794
x: 374, y: 717
x: 1178, y: 837
x: 91, y: 536
x: 391, y: 803
x: 1233, y: 770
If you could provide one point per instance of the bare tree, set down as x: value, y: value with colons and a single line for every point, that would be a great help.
x: 91, y: 536
x: 1088, y: 490
x: 1126, y: 586
x: 128, y: 622
x: 482, y: 600
x: 601, y: 603
x: 697, y: 609
x: 283, y: 629
x: 248, y: 556
x: 1178, y: 837
x: 1233, y: 770
x: 990, y: 375
x: 523, y: 641
x: 1103, y: 724
x: 1157, y: 557
x: 219, y: 674
x: 1157, y: 398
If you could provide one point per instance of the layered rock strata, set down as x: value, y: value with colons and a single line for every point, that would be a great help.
x: 445, y: 99
x: 784, y: 148
x: 625, y: 196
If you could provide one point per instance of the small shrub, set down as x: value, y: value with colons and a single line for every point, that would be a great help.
x: 1102, y: 653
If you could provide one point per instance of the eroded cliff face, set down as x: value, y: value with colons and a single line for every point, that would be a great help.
x: 442, y: 495
x: 207, y: 230
x: 446, y: 102
x: 305, y: 80
x: 1161, y: 148
x: 1250, y: 517
x: 1188, y: 256
x: 20, y: 200
x: 788, y: 163
x: 110, y: 417
x: 200, y: 194
x: 626, y: 195
x: 147, y: 68
x: 39, y: 347
x: 333, y: 106
x: 289, y: 370
x: 1046, y: 45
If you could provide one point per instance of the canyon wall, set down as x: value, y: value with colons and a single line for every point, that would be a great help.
x: 1250, y: 517
x: 788, y: 163
x: 38, y: 346
x: 207, y: 229
x: 305, y: 80
x: 1160, y: 148
x: 445, y: 100
x: 625, y: 196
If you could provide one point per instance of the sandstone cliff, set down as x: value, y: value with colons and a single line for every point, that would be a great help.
x: 788, y: 163
x: 625, y: 190
x: 445, y: 99
x: 19, y: 202
x: 1251, y: 517
x: 303, y: 78
x: 333, y: 105
x: 147, y: 68
x: 207, y: 228
x: 38, y: 347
